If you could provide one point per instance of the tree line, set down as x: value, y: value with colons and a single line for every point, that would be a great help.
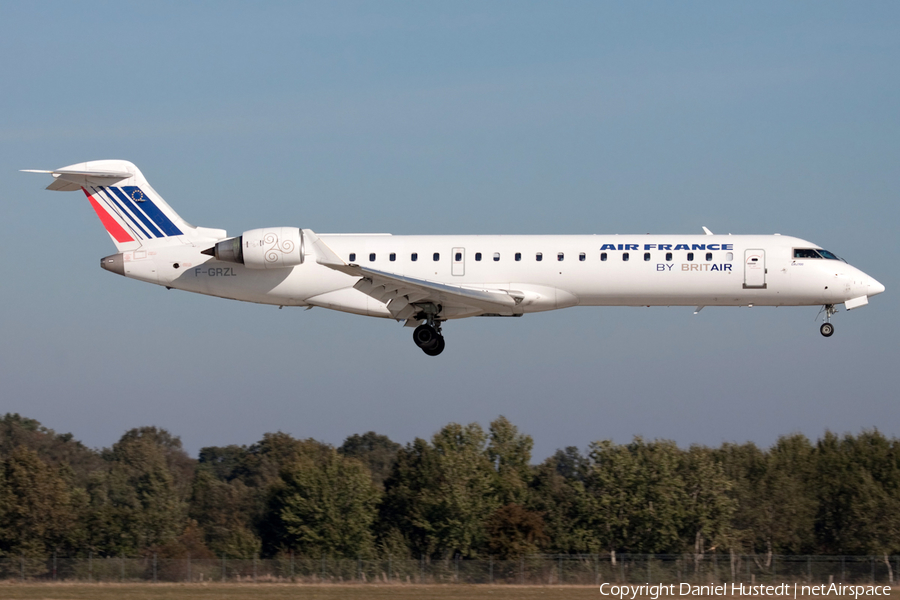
x: 465, y: 493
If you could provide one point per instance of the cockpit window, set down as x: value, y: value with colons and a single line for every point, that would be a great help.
x: 814, y: 253
x: 805, y: 253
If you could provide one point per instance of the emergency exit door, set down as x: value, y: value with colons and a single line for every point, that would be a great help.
x: 458, y: 261
x: 755, y: 269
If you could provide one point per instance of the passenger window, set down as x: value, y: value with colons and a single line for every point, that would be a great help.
x: 690, y: 256
x: 646, y: 257
x: 496, y: 256
x: 539, y: 257
x: 518, y: 256
x: 708, y: 256
x: 560, y: 256
x: 603, y: 256
x: 372, y: 257
x: 478, y: 256
x: 352, y: 256
x: 414, y: 257
x: 625, y: 256
x: 668, y: 257
x: 458, y: 257
x: 729, y: 256
x: 582, y: 256
x: 437, y: 256
x: 393, y: 256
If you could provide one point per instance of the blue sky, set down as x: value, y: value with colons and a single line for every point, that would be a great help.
x: 441, y: 118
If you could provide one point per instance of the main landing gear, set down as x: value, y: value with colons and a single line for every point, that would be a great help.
x: 827, y: 329
x: 428, y: 336
x: 429, y: 339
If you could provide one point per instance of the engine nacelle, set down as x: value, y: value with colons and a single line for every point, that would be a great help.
x: 269, y: 248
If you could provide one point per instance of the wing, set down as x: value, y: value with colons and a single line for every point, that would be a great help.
x: 405, y: 295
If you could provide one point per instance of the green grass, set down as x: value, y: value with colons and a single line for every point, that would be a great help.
x: 284, y: 591
x: 278, y: 591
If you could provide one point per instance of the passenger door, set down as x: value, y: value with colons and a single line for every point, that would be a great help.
x: 754, y: 269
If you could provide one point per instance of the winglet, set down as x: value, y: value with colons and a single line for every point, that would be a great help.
x: 707, y: 231
x: 324, y: 255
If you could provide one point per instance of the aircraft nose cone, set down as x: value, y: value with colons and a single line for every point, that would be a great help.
x: 874, y: 287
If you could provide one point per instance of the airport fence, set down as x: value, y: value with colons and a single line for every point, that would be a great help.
x: 583, y: 569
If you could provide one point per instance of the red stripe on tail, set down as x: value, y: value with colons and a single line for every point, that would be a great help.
x: 112, y: 226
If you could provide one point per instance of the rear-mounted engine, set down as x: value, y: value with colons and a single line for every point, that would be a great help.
x: 269, y: 248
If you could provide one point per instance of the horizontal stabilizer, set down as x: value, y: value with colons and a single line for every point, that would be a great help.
x: 113, y: 174
x: 61, y: 185
x: 72, y: 180
x: 132, y: 212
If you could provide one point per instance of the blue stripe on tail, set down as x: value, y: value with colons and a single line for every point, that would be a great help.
x: 129, y: 220
x: 152, y: 211
x: 126, y: 200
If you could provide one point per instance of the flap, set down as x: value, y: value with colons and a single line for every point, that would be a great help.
x: 401, y: 292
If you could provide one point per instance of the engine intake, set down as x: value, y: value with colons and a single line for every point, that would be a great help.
x: 269, y: 248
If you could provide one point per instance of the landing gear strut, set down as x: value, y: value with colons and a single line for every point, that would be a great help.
x: 827, y: 329
x: 428, y: 336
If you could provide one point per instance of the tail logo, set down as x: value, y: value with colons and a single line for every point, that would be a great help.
x: 109, y: 223
x: 134, y: 209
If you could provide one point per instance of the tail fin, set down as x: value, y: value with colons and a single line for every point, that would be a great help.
x: 132, y: 212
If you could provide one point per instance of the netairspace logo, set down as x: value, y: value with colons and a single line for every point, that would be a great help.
x: 784, y: 590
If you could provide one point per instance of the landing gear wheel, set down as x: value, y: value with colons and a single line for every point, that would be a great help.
x: 437, y: 349
x: 826, y: 329
x: 426, y: 337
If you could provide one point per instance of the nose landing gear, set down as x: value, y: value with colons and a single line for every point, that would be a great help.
x: 827, y: 329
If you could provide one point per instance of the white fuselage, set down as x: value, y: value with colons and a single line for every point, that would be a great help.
x: 573, y: 270
x: 425, y: 280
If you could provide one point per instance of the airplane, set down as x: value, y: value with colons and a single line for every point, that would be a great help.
x: 426, y: 280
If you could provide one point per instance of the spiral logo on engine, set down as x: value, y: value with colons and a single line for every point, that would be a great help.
x: 277, y: 250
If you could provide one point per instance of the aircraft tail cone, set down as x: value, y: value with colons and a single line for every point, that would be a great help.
x: 114, y: 263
